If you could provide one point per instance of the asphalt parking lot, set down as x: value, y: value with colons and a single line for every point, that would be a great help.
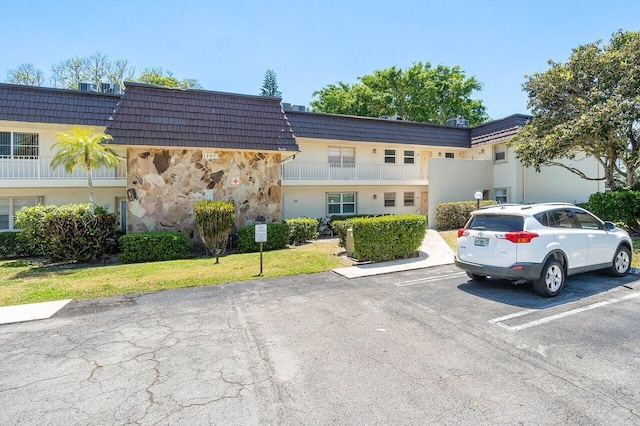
x: 414, y: 347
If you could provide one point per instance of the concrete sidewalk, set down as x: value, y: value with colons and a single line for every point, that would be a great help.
x: 434, y: 251
x: 30, y: 311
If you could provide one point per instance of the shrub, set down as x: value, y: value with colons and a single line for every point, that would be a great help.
x: 277, y: 238
x: 214, y: 221
x: 302, y: 230
x: 340, y: 224
x: 68, y: 233
x: 153, y: 247
x: 30, y: 222
x: 388, y: 237
x: 340, y: 228
x: 12, y: 245
x: 620, y: 206
x: 74, y: 234
x: 455, y: 215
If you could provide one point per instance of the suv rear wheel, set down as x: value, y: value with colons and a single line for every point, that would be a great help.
x: 551, y: 280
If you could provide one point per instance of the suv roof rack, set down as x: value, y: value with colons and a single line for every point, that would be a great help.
x: 494, y: 206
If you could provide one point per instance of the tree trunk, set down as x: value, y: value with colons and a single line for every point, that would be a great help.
x: 90, y: 183
x: 609, y: 175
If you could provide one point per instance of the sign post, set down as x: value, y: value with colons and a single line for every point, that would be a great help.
x: 260, y: 237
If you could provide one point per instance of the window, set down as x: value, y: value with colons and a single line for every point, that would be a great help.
x: 341, y: 203
x: 559, y: 219
x: 389, y: 199
x: 499, y: 153
x: 449, y: 155
x: 501, y: 195
x: 342, y: 156
x: 8, y: 208
x: 19, y: 145
x: 587, y: 221
x: 409, y: 198
x: 409, y: 157
x: 500, y: 223
x: 390, y: 156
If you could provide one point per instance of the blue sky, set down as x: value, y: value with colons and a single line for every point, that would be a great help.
x: 228, y: 45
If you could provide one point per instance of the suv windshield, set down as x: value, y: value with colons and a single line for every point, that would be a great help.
x: 496, y: 223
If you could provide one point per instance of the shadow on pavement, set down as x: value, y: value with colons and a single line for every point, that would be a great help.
x: 576, y: 287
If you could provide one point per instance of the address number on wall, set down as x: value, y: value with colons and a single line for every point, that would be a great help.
x: 211, y: 156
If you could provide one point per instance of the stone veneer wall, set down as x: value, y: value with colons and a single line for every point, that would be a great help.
x: 163, y: 185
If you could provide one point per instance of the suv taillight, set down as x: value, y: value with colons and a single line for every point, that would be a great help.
x: 462, y: 232
x: 520, y: 237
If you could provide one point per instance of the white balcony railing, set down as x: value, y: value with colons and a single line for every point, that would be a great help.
x: 324, y: 171
x: 38, y: 168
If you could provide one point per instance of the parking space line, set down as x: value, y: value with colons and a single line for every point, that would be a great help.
x: 511, y: 316
x: 499, y: 321
x: 429, y: 279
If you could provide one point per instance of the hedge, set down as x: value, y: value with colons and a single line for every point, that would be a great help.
x: 340, y: 223
x: 153, y: 247
x: 277, y: 238
x: 621, y: 206
x: 455, y: 215
x: 302, y: 230
x: 68, y: 233
x: 389, y: 237
x: 12, y: 245
x: 30, y: 222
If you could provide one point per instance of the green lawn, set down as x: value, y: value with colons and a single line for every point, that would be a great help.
x: 24, y: 281
x: 451, y: 236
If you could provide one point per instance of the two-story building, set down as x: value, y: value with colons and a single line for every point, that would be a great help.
x: 350, y: 165
x: 178, y: 146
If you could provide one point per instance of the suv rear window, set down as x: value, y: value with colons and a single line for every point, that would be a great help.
x: 498, y: 223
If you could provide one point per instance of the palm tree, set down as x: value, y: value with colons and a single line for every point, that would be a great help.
x: 83, y: 148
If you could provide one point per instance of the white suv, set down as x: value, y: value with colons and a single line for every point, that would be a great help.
x: 540, y: 243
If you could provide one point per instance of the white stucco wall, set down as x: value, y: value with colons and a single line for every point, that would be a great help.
x: 311, y: 201
x: 316, y: 151
x: 456, y: 180
x: 551, y: 184
x: 558, y: 184
x: 105, y: 197
x: 47, y: 134
x: 61, y: 190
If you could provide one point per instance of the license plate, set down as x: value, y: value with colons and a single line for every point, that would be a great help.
x: 482, y: 242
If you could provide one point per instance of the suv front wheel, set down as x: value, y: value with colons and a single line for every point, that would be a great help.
x: 551, y: 280
x: 621, y: 262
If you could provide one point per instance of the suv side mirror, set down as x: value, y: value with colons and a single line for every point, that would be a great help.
x: 609, y: 226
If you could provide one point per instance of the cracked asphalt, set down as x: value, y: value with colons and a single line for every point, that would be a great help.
x: 416, y: 347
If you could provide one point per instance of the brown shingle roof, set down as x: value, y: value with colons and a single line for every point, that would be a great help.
x: 365, y: 129
x: 59, y: 106
x: 499, y: 130
x: 161, y: 116
x: 352, y: 128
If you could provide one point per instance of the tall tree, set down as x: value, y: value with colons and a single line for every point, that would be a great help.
x: 25, y: 74
x: 588, y: 105
x: 166, y: 78
x: 95, y: 69
x: 419, y: 93
x: 83, y: 148
x: 270, y: 85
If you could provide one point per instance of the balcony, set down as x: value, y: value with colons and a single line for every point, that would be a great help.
x: 348, y: 172
x: 38, y: 168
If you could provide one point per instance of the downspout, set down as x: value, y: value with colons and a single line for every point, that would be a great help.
x: 524, y: 185
x: 282, y: 195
